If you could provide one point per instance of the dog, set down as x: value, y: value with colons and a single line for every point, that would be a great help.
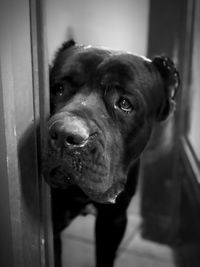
x: 104, y: 104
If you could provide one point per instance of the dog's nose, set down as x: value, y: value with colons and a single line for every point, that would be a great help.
x: 69, y: 133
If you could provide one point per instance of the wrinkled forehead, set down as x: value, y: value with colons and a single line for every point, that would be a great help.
x: 90, y: 58
x: 77, y: 58
x: 87, y: 62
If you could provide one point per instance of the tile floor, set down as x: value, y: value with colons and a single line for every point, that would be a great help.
x: 78, y: 244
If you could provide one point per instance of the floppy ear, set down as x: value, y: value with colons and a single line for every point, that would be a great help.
x: 67, y: 44
x: 64, y: 46
x: 171, y: 81
x: 58, y: 56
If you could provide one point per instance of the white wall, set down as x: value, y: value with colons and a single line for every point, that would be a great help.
x: 118, y: 24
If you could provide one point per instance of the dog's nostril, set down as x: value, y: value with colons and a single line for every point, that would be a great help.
x: 77, y: 140
x: 68, y: 134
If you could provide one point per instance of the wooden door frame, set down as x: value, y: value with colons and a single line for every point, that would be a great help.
x: 186, y: 150
x: 188, y: 166
x: 24, y: 101
x: 41, y: 100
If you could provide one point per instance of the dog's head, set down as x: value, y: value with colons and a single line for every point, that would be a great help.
x: 103, y: 107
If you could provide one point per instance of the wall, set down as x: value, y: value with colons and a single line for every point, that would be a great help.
x: 118, y: 24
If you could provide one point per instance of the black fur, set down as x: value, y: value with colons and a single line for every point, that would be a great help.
x: 103, y: 108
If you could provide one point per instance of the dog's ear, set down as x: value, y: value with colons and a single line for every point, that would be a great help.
x: 66, y: 45
x: 171, y: 81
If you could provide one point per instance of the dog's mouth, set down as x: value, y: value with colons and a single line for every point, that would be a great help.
x: 94, y: 178
x: 58, y: 177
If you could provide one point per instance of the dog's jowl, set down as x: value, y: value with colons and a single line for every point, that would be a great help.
x: 104, y: 104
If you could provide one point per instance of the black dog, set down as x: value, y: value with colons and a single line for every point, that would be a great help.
x: 104, y: 104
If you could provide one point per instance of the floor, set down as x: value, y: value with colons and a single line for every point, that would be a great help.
x: 78, y: 244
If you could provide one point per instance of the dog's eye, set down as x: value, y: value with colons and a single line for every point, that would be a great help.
x: 125, y: 105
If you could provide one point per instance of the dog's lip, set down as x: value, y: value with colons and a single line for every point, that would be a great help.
x: 58, y: 170
x: 108, y: 197
x: 57, y: 177
x: 64, y: 172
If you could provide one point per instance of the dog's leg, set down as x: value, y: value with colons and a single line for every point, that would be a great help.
x: 58, y: 226
x: 66, y: 205
x: 111, y: 221
x: 57, y: 250
x: 110, y: 227
x: 109, y: 232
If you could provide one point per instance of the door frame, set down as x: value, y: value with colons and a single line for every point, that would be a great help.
x: 24, y: 107
x: 187, y: 151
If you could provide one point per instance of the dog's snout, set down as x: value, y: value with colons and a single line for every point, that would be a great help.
x: 69, y: 132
